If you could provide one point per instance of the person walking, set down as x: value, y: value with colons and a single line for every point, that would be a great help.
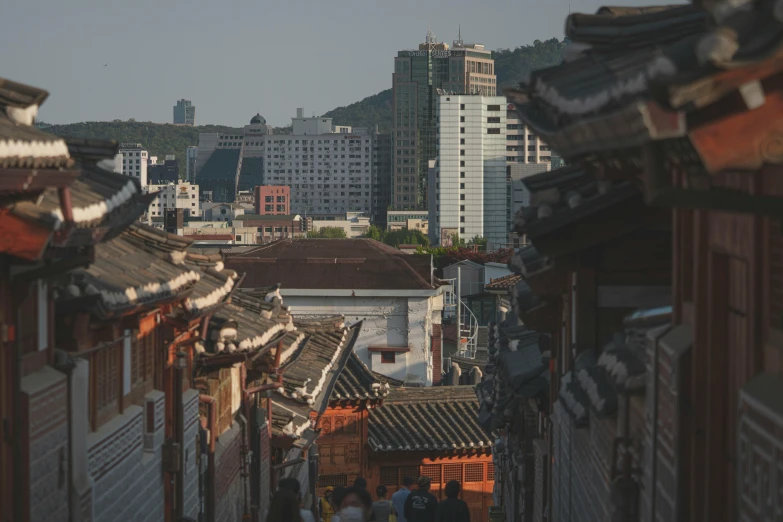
x: 421, y: 505
x: 360, y: 483
x: 352, y: 505
x: 453, y: 509
x: 325, y: 508
x: 399, y: 498
x: 291, y: 484
x: 284, y: 507
x: 382, y: 508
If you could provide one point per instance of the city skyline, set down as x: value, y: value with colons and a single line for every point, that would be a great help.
x: 91, y: 56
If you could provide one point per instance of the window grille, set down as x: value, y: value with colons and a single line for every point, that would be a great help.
x: 474, y: 472
x: 335, y: 481
x: 433, y: 471
x: 452, y: 472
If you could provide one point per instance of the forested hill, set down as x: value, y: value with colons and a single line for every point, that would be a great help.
x: 511, y: 66
x: 159, y: 138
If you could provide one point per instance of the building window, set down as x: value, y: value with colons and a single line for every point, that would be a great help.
x: 388, y: 357
x: 493, y: 131
x: 281, y: 199
x: 462, y: 230
x: 462, y: 163
x: 462, y: 219
x: 462, y: 152
x: 462, y: 197
x: 461, y: 185
x: 462, y: 130
x: 336, y: 481
x: 461, y: 174
x: 269, y: 199
x: 462, y: 119
x: 462, y: 106
x: 493, y: 107
x: 462, y: 141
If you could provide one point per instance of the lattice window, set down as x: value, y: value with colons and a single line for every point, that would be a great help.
x: 433, y: 471
x: 474, y: 472
x: 411, y: 472
x: 490, y: 472
x: 336, y: 481
x: 452, y: 472
x: 389, y: 476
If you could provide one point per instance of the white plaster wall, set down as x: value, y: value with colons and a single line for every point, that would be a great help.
x: 388, y: 321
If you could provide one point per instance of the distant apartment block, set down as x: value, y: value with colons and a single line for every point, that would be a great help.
x: 418, y: 77
x: 163, y: 173
x: 273, y: 200
x: 329, y: 172
x: 134, y: 161
x: 469, y: 175
x: 180, y: 195
x: 184, y: 113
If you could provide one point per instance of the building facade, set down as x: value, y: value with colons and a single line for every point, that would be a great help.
x: 418, y: 76
x: 273, y: 200
x: 162, y: 173
x: 191, y: 155
x: 382, y: 179
x: 134, y: 161
x: 469, y: 183
x: 184, y: 113
x: 182, y: 195
x: 395, y: 295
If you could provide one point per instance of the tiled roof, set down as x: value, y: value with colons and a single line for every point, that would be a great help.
x: 442, y: 418
x: 527, y: 260
x: 310, y: 377
x: 350, y: 264
x: 503, y: 283
x: 21, y: 144
x: 566, y: 195
x: 357, y: 382
x: 125, y: 277
x: 624, y: 74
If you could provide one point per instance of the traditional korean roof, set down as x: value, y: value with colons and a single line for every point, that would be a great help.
x: 357, y: 382
x: 502, y: 283
x: 442, y: 418
x: 348, y: 264
x: 21, y: 144
x: 527, y: 260
x: 564, y: 196
x: 310, y: 376
x: 630, y: 75
x: 466, y: 364
x: 125, y: 277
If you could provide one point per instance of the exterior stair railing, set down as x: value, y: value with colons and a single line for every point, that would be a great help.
x: 467, y: 326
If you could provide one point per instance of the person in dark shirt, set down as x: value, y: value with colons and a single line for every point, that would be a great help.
x: 453, y: 509
x: 421, y: 505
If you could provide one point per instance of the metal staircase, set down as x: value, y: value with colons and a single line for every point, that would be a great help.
x: 468, y: 328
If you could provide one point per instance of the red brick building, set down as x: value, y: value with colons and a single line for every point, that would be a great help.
x: 273, y: 200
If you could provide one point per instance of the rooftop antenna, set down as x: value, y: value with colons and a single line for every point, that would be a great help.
x: 458, y: 43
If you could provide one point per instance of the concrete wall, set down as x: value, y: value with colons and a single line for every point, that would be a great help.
x: 388, y: 321
x: 45, y: 401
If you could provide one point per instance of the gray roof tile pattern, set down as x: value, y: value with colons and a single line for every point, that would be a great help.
x: 428, y: 419
x: 357, y: 382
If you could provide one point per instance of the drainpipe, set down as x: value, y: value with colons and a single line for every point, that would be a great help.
x: 212, y: 428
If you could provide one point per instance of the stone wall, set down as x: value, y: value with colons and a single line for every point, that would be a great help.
x: 229, y: 485
x: 45, y: 398
x: 125, y: 466
x: 190, y: 453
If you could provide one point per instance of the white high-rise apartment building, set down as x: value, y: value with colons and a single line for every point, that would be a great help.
x: 134, y: 161
x: 330, y: 173
x: 522, y: 144
x: 182, y: 195
x: 469, y: 175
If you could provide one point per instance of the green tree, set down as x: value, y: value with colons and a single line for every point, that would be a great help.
x: 406, y: 237
x: 375, y: 233
x: 328, y: 233
x: 480, y: 242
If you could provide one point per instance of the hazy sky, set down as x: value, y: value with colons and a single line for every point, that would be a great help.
x: 233, y: 58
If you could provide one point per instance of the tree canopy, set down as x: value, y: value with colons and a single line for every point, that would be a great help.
x: 328, y: 233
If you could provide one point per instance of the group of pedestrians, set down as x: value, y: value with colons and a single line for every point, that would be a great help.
x: 354, y: 504
x: 406, y: 505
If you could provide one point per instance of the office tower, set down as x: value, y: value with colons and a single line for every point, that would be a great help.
x: 134, y: 161
x: 228, y: 162
x: 419, y: 76
x: 184, y: 113
x: 191, y: 155
x: 468, y: 179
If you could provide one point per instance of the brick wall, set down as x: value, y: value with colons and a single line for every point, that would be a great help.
x: 127, y: 474
x: 437, y: 354
x: 45, y: 395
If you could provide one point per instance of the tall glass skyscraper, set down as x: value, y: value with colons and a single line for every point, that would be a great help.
x: 419, y: 77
